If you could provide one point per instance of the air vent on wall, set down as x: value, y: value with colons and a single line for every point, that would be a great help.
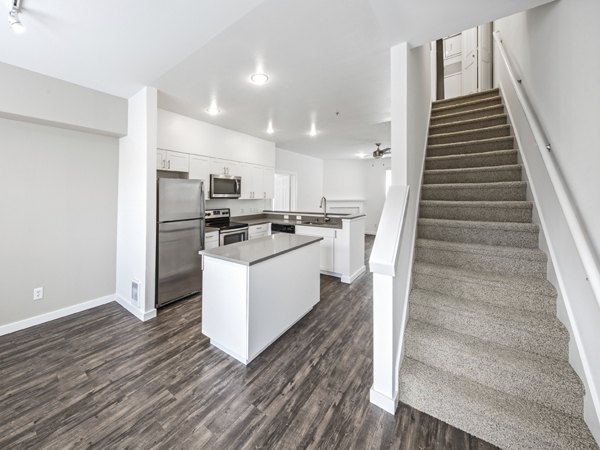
x: 135, y: 292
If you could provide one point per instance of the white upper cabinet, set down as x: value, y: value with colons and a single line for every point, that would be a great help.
x: 172, y: 161
x: 268, y: 182
x: 200, y: 170
x: 224, y: 167
x: 187, y: 135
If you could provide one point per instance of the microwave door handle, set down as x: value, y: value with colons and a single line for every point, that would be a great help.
x: 237, y: 186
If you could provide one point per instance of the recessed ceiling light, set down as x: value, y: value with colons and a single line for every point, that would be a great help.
x: 13, y: 17
x: 259, y: 78
x: 362, y: 155
x: 313, y: 130
x: 270, y: 128
x: 213, y: 109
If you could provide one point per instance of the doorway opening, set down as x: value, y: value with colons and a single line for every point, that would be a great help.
x: 285, y: 197
x: 467, y: 61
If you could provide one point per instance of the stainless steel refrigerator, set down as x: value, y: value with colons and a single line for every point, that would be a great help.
x: 180, y: 236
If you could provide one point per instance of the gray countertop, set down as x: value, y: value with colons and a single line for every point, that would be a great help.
x: 257, y: 250
x: 262, y: 220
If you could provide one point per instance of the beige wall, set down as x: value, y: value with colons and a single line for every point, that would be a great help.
x: 59, y: 215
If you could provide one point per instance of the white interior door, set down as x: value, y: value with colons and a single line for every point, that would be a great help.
x: 484, y: 56
x: 469, y: 61
x: 282, y: 200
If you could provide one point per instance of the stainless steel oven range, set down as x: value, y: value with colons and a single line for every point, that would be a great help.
x: 229, y: 232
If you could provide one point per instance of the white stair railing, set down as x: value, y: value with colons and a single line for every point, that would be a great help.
x: 387, y: 335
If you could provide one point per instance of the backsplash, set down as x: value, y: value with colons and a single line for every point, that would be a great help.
x: 240, y: 207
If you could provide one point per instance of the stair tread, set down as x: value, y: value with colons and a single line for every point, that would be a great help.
x: 458, y: 170
x: 506, y: 226
x: 466, y: 143
x: 473, y: 103
x: 546, y: 370
x: 467, y: 96
x: 529, y: 285
x: 521, y: 204
x: 504, y: 420
x: 467, y: 121
x: 486, y: 185
x: 472, y: 111
x: 475, y: 130
x: 526, y: 320
x: 471, y: 155
x: 531, y: 254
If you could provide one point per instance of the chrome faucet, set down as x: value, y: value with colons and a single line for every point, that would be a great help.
x: 324, y: 206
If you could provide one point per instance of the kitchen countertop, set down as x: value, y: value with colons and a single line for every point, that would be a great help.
x: 290, y: 222
x: 254, y: 251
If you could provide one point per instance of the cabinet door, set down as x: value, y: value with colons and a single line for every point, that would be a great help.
x: 178, y: 162
x: 211, y: 240
x: 245, y: 171
x: 217, y: 166
x: 268, y: 183
x: 200, y: 170
x: 257, y: 182
x: 233, y: 168
x: 327, y: 244
x: 161, y: 159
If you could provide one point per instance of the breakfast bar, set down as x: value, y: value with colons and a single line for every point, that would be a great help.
x: 254, y: 291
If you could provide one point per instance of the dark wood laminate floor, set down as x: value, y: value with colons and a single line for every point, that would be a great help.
x: 103, y: 379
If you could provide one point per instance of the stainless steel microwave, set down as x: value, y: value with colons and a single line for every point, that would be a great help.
x: 225, y: 186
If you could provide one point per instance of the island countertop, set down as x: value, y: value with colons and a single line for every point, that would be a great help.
x: 256, y: 250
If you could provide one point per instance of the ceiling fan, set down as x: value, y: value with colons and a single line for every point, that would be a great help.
x: 381, y: 152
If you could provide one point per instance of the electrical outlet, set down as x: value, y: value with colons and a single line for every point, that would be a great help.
x: 298, y: 217
x: 38, y: 293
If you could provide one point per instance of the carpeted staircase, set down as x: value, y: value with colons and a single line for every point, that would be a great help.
x: 484, y: 350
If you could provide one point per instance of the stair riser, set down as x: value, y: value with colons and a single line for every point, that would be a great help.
x: 453, y: 127
x: 481, y: 214
x: 468, y: 235
x: 493, y: 329
x: 502, y: 295
x: 482, y: 160
x: 465, y: 136
x: 506, y: 143
x: 486, y: 370
x: 484, y: 176
x: 435, y: 192
x: 463, y: 99
x: 482, y: 263
x: 468, y: 115
x: 465, y: 107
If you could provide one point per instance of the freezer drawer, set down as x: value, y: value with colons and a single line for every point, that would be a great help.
x: 179, y: 266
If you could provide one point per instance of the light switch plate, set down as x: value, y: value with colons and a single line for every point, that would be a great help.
x: 38, y: 293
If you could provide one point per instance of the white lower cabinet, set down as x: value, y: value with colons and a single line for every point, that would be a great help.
x: 211, y: 240
x: 258, y: 231
x: 327, y: 244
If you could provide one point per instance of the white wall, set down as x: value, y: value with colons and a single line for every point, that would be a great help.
x: 554, y: 50
x: 184, y: 134
x: 136, y: 237
x: 550, y: 48
x: 240, y: 207
x: 357, y: 179
x: 309, y: 177
x: 30, y: 96
x: 59, y: 217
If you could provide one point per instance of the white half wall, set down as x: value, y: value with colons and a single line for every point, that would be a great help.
x: 59, y: 221
x: 30, y: 96
x: 309, y: 177
x: 136, y: 235
x: 554, y: 49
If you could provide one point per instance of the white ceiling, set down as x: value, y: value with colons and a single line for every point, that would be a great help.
x: 113, y: 46
x: 323, y: 56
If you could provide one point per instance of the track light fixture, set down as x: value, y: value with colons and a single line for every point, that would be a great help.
x: 13, y: 17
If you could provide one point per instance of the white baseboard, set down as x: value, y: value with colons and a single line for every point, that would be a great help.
x: 52, y: 315
x: 142, y: 315
x: 383, y: 401
x: 349, y: 279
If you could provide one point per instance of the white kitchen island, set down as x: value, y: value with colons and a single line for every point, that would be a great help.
x: 255, y: 290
